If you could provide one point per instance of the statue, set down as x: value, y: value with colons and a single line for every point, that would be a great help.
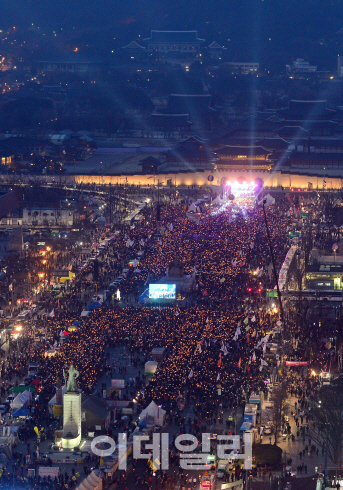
x: 176, y: 268
x: 73, y: 374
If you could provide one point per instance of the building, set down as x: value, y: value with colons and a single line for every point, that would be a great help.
x: 20, y: 148
x: 324, y: 276
x: 300, y: 66
x: 6, y: 156
x: 243, y: 158
x: 71, y: 63
x: 241, y: 68
x: 215, y: 50
x: 134, y: 50
x: 182, y: 41
x: 313, y: 145
x: 274, y: 144
x: 150, y: 165
x: 307, y: 110
x: 305, y: 118
x: 95, y: 414
x: 48, y: 217
x: 313, y: 161
x: 192, y: 151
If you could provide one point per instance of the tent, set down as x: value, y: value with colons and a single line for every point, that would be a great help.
x: 21, y: 412
x: 21, y: 400
x: 217, y: 200
x: 192, y: 207
x: 157, y: 413
x: 92, y: 482
x: 94, y: 305
x: 85, y: 313
x: 35, y: 383
x: 150, y: 367
x: 21, y: 389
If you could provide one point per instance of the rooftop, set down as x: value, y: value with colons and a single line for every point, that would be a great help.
x: 308, y: 110
x: 325, y: 268
x: 249, y: 151
x: 95, y: 405
x: 215, y: 45
x: 133, y: 45
x: 174, y: 37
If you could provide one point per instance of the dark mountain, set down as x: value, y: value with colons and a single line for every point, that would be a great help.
x: 270, y: 31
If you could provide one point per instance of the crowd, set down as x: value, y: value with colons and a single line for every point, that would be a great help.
x: 215, y: 341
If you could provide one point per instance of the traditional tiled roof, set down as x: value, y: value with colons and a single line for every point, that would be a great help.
x: 215, y: 45
x: 174, y: 37
x: 250, y: 151
x: 133, y: 45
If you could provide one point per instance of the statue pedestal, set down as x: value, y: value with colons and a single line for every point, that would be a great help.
x: 71, y: 436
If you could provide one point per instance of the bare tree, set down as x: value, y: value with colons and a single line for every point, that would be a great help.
x: 279, y: 398
x: 326, y: 422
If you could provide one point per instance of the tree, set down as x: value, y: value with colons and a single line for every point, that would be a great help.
x: 279, y: 398
x: 326, y: 423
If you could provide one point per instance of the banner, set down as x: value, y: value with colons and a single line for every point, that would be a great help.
x: 57, y: 410
x: 49, y: 471
x: 118, y: 383
x: 59, y: 396
x: 297, y: 363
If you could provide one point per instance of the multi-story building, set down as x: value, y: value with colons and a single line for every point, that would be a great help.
x: 48, y: 217
x: 165, y: 41
x: 243, y: 158
x: 241, y: 68
x: 300, y: 66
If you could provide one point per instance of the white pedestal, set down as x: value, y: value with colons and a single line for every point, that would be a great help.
x: 71, y: 437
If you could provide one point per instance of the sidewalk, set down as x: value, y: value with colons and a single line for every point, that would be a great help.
x: 291, y: 450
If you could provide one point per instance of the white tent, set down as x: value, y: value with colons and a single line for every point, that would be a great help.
x: 217, y: 200
x: 192, y: 207
x: 21, y: 400
x: 150, y: 367
x: 154, y: 411
x: 92, y: 482
x: 85, y: 313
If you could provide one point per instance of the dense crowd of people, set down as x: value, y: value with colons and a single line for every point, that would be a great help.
x: 214, y: 340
